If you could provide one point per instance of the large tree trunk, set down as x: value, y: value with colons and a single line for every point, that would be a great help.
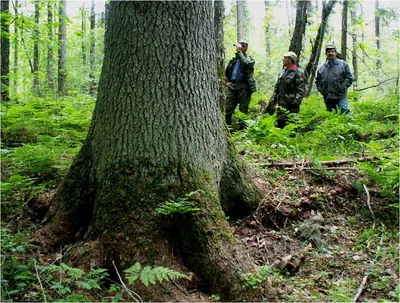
x: 62, y: 47
x: 219, y: 9
x: 157, y: 134
x: 5, y: 50
x: 92, y: 48
x: 344, y: 30
x: 312, y: 65
x: 300, y: 27
x: 50, y: 57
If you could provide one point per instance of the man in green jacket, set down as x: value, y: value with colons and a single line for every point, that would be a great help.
x: 290, y: 89
x: 240, y: 82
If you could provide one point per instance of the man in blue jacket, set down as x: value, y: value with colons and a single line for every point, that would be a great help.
x: 333, y: 79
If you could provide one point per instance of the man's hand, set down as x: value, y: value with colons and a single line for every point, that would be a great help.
x: 239, y: 47
x: 228, y: 83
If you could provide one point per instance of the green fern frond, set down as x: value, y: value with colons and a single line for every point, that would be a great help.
x: 149, y: 275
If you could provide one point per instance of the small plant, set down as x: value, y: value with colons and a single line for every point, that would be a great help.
x: 182, y: 206
x: 149, y: 275
x: 255, y: 279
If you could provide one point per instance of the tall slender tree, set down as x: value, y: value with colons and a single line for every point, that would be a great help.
x: 240, y: 19
x: 16, y: 46
x: 219, y: 9
x: 62, y: 47
x: 50, y: 47
x: 157, y: 135
x: 5, y: 50
x: 35, y: 85
x: 345, y: 9
x: 312, y: 65
x: 378, y: 33
x: 267, y: 24
x: 354, y: 60
x: 300, y: 27
x: 83, y: 29
x: 92, y: 47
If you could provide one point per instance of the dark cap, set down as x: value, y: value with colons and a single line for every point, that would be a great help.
x: 330, y: 46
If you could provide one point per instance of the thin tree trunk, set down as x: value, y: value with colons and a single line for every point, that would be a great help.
x: 240, y: 18
x: 5, y: 50
x: 157, y: 135
x: 62, y: 48
x: 219, y: 9
x: 50, y: 57
x: 288, y: 4
x: 35, y: 85
x: 92, y: 48
x: 378, y: 33
x: 344, y: 30
x: 83, y: 28
x: 300, y: 27
x: 267, y: 19
x: 354, y: 54
x: 312, y: 65
x: 16, y: 44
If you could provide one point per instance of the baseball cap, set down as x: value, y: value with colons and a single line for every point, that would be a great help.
x: 291, y: 55
x: 330, y: 46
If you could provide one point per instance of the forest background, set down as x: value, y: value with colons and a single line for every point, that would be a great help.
x: 54, y: 52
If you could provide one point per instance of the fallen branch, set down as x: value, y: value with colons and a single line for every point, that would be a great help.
x: 358, y: 90
x: 40, y: 283
x: 310, y: 162
x: 361, y: 287
x: 369, y: 202
x: 319, y: 168
x: 130, y: 292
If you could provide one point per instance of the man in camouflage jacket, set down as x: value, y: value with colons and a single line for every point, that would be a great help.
x: 289, y: 91
x: 240, y: 82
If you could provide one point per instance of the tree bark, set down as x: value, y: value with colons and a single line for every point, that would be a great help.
x: 16, y: 44
x: 378, y: 33
x: 35, y: 85
x: 5, y: 50
x: 354, y: 54
x: 312, y: 65
x: 50, y: 54
x: 300, y: 27
x: 157, y: 135
x: 240, y: 18
x: 344, y: 30
x: 62, y: 47
x: 92, y: 48
x: 219, y: 9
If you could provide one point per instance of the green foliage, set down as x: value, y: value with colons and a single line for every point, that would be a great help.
x: 181, y: 206
x: 149, y: 275
x: 254, y: 280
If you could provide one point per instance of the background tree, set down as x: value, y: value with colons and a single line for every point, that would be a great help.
x: 16, y: 49
x: 50, y: 48
x: 92, y: 48
x: 312, y: 65
x: 156, y: 135
x: 354, y: 59
x: 5, y: 50
x: 240, y: 20
x: 343, y: 40
x: 219, y: 9
x: 300, y: 27
x: 35, y: 85
x: 378, y: 33
x: 62, y: 47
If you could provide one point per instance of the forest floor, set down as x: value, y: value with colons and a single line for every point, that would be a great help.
x: 313, y: 237
x: 316, y: 240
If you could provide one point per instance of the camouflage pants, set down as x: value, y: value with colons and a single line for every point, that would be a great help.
x: 238, y: 93
x: 283, y: 114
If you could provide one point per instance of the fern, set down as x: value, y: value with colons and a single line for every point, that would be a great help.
x: 149, y: 275
x: 182, y: 206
